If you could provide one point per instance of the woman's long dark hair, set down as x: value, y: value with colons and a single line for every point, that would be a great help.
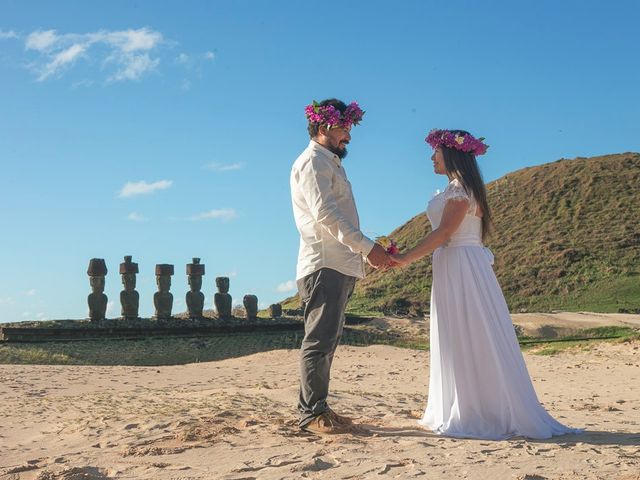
x: 463, y: 166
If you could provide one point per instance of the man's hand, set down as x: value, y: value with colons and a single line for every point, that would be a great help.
x: 379, y: 258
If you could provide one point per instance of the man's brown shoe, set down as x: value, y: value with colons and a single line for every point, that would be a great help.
x: 323, y: 424
x: 339, y: 418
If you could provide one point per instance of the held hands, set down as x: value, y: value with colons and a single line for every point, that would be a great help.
x: 379, y: 258
x: 400, y: 259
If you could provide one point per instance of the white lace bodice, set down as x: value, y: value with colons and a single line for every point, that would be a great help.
x: 470, y: 230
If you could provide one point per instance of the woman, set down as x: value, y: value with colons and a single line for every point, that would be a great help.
x: 479, y: 386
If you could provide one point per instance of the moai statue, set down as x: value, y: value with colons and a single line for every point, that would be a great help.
x: 275, y: 310
x: 97, y: 300
x: 195, y: 298
x: 163, y: 299
x: 222, y: 299
x: 129, y: 298
x: 250, y: 303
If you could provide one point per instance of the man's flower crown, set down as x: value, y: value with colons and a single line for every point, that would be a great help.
x: 330, y: 116
x: 465, y: 142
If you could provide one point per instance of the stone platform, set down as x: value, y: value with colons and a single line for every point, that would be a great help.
x: 65, y: 330
x: 57, y: 330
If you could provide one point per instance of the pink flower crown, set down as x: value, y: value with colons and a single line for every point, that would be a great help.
x: 464, y: 142
x: 332, y: 117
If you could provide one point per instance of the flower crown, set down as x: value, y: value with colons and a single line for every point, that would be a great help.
x: 330, y: 116
x: 464, y: 142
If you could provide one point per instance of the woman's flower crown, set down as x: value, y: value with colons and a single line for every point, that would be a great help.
x: 465, y: 142
x: 330, y: 116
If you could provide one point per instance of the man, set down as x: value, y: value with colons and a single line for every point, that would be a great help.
x: 330, y: 258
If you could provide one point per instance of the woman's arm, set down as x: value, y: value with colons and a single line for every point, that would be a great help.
x: 452, y: 216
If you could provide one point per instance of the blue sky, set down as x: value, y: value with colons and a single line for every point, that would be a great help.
x: 166, y: 130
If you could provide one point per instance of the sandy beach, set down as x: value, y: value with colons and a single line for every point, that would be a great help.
x: 236, y: 419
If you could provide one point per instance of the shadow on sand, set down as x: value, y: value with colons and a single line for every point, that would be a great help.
x: 588, y: 437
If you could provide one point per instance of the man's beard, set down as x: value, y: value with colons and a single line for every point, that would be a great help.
x: 341, y: 153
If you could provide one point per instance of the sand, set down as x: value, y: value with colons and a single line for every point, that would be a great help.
x: 537, y: 325
x: 236, y: 419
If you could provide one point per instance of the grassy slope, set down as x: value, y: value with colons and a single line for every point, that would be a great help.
x: 567, y: 237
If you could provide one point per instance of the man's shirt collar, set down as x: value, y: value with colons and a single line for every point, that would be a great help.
x: 325, y: 151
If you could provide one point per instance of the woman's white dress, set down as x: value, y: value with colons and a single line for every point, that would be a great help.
x: 479, y: 386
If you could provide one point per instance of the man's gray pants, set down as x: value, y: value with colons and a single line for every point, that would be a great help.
x: 325, y: 293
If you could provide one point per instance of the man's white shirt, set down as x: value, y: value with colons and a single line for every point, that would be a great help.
x: 326, y: 215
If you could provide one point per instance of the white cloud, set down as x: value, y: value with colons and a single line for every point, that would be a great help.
x: 62, y: 59
x: 231, y: 166
x: 219, y: 167
x: 110, y: 307
x: 136, y: 217
x: 141, y: 188
x: 287, y: 286
x: 6, y: 301
x: 129, y: 50
x: 41, y: 316
x: 31, y: 292
x: 41, y: 41
x: 185, y: 85
x: 82, y: 83
x: 223, y: 214
x: 7, y: 35
x: 121, y: 55
x: 26, y: 314
x: 130, y: 40
x: 133, y: 67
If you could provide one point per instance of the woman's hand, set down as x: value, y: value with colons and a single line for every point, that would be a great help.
x: 400, y: 259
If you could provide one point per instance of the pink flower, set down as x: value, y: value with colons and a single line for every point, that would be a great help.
x: 463, y: 142
x: 330, y: 116
x: 389, y: 245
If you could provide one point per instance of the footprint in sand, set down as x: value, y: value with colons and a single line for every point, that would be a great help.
x: 81, y: 473
x: 272, y: 462
x: 318, y: 464
x: 30, y: 465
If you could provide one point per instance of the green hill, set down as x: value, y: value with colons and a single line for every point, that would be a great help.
x: 567, y: 236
